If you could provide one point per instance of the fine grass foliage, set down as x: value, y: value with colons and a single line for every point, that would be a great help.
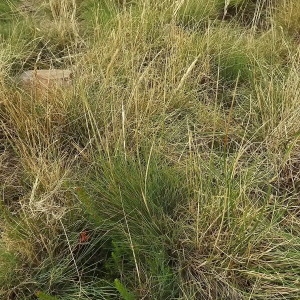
x: 7, y: 12
x: 287, y: 17
x: 168, y: 169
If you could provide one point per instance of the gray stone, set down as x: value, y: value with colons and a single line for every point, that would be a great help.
x: 44, y: 79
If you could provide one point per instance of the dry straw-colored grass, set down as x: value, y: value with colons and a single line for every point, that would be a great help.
x: 168, y: 168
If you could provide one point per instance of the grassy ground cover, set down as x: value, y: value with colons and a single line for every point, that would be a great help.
x: 170, y: 168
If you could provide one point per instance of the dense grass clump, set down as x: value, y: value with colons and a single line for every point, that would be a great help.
x: 169, y: 168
